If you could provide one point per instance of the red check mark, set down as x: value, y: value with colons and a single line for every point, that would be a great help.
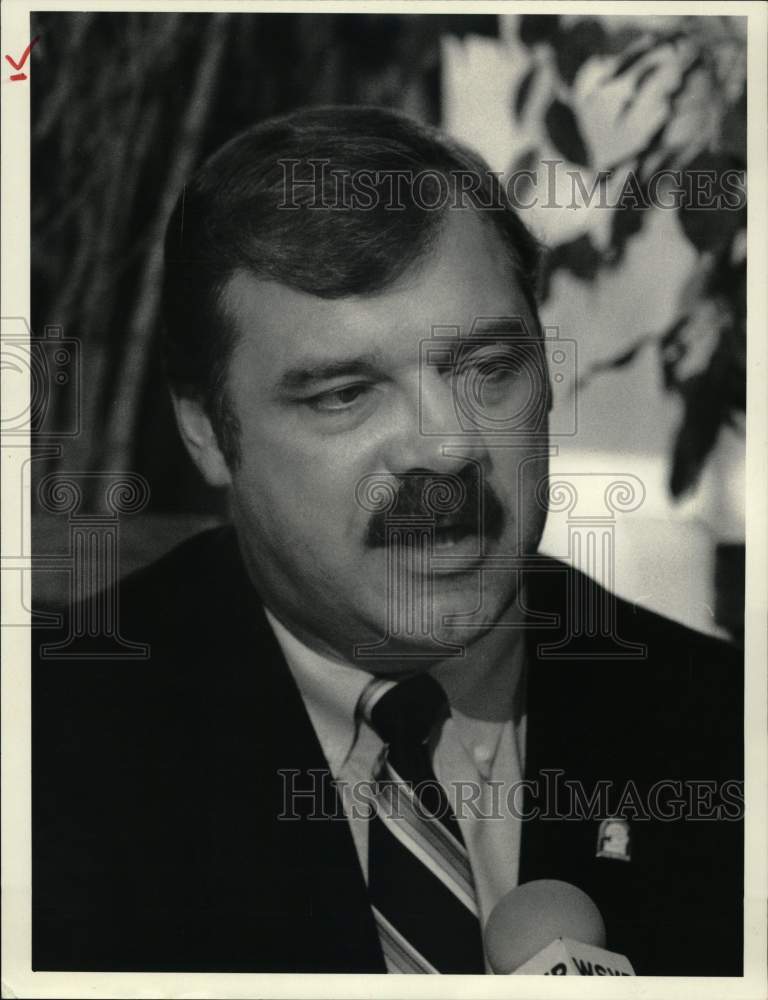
x: 22, y: 60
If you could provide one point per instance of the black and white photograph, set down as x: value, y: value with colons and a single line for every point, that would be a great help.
x: 384, y: 506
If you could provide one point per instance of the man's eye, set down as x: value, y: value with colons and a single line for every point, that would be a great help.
x: 337, y: 399
x: 496, y: 367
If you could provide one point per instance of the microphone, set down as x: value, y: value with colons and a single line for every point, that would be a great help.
x: 550, y: 928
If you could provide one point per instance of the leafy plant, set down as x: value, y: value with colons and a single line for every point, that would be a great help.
x: 688, y: 74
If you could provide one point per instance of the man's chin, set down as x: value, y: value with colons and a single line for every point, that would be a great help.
x: 462, y: 617
x: 424, y: 626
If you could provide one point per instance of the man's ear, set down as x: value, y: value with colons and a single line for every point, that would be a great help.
x: 198, y: 436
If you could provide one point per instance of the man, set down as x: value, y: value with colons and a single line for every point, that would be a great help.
x: 367, y: 715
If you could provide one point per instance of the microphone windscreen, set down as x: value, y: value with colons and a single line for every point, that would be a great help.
x: 533, y: 915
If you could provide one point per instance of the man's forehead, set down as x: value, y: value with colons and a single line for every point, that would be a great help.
x: 464, y: 283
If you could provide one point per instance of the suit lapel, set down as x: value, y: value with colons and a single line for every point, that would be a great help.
x: 287, y: 870
x: 583, y: 729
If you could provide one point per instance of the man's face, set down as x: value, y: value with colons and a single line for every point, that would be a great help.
x: 339, y: 408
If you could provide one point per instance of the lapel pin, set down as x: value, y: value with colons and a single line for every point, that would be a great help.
x: 613, y: 840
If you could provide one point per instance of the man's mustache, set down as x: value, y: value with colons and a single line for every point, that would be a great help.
x: 461, y: 501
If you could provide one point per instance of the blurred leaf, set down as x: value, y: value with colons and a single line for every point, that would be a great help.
x: 645, y: 75
x: 708, y: 229
x: 524, y: 91
x: 640, y: 49
x: 536, y: 28
x: 565, y: 134
x: 731, y: 349
x: 616, y: 362
x: 672, y: 334
x: 709, y: 224
x: 652, y: 147
x: 578, y: 43
x: 629, y: 60
x: 624, y: 358
x: 734, y: 342
x: 710, y: 400
x: 578, y: 257
x: 733, y: 128
x: 672, y: 351
x: 641, y: 154
x: 696, y: 436
x: 626, y: 222
x: 728, y: 280
x: 693, y: 66
x: 526, y: 160
x: 706, y: 410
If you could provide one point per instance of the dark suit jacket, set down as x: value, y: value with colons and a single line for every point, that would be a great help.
x: 157, y: 789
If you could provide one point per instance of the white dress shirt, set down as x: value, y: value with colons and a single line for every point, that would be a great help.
x: 478, y: 753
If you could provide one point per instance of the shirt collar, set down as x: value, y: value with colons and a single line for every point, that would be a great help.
x: 330, y: 689
x: 484, y: 699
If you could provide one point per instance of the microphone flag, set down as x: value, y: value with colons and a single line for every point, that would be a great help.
x: 564, y: 957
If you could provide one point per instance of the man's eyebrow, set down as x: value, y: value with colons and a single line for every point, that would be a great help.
x: 498, y: 327
x: 302, y: 375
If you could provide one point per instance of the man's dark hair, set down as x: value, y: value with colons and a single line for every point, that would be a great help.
x: 280, y: 201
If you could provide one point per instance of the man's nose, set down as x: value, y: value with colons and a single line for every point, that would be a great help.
x: 427, y: 434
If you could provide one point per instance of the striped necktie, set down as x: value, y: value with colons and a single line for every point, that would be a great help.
x: 419, y: 876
